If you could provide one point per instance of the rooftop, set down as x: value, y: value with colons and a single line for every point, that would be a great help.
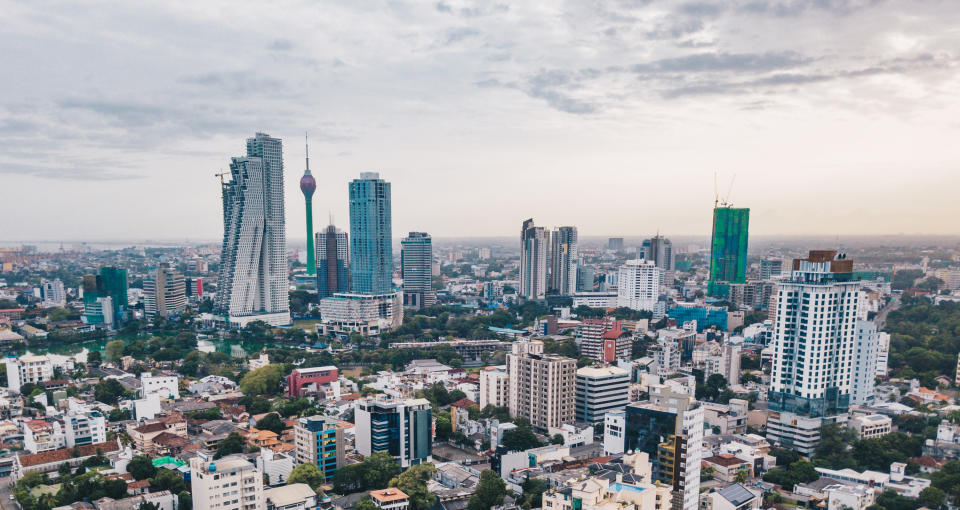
x: 388, y: 495
x: 288, y: 494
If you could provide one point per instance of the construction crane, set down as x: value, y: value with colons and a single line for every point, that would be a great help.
x: 220, y: 175
x: 716, y: 194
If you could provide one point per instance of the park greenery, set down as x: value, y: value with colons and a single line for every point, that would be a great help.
x: 924, y: 340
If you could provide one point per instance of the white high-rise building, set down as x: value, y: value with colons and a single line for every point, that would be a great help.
x: 865, y: 363
x: 494, y: 388
x: 230, y: 483
x: 533, y: 261
x: 638, y: 285
x: 883, y: 353
x: 814, y: 342
x: 253, y: 280
x: 53, y: 293
x: 164, y: 292
x: 563, y: 261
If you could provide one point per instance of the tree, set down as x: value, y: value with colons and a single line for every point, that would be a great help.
x: 114, y: 350
x: 185, y: 498
x: 366, y: 504
x: 520, y: 439
x: 167, y: 480
x: 490, y: 491
x: 255, y: 405
x: 271, y: 422
x: 146, y: 505
x: 263, y: 381
x: 64, y: 470
x: 557, y: 439
x: 533, y: 489
x: 108, y: 391
x: 413, y: 482
x: 141, y: 467
x: 233, y: 443
x: 309, y: 474
x: 932, y: 497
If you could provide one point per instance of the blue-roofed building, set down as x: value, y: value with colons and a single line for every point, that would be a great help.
x: 705, y: 316
x: 511, y: 333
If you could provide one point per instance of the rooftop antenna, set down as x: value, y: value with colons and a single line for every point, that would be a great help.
x: 306, y: 143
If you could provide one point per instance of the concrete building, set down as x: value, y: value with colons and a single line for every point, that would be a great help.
x: 252, y: 283
x: 614, y: 432
x: 494, y: 388
x: 562, y: 277
x: 416, y: 269
x: 82, y: 429
x: 371, y: 245
x: 366, y: 314
x: 866, y: 348
x: 726, y: 364
x: 303, y: 381
x: 659, y: 250
x: 732, y: 497
x: 599, y: 391
x: 42, y: 436
x: 297, y: 496
x: 333, y: 262
x: 638, y: 285
x: 230, y: 483
x: 390, y: 499
x: 319, y: 440
x: 27, y: 369
x: 518, y: 349
x: 402, y: 428
x: 164, y: 293
x: 167, y: 386
x: 52, y: 293
x: 871, y: 426
x: 533, y: 261
x: 771, y: 268
x: 545, y: 388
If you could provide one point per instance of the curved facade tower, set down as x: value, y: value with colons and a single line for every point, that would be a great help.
x: 308, y: 185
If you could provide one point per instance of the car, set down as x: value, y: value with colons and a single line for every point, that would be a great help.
x: 11, y: 497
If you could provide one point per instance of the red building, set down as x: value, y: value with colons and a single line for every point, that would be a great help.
x: 300, y: 380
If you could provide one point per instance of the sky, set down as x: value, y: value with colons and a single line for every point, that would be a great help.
x: 822, y: 116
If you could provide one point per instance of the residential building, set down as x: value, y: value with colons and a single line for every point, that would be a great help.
x: 726, y: 364
x: 562, y: 265
x: 615, y: 244
x: 727, y: 468
x: 545, y: 388
x: 600, y: 390
x: 494, y: 388
x: 669, y: 429
x: 81, y: 429
x: 732, y: 497
x: 319, y: 440
x: 390, y: 499
x: 105, y: 297
x: 416, y: 269
x: 52, y: 293
x: 333, y: 262
x: 865, y: 351
x: 871, y: 426
x: 604, y: 340
x: 728, y: 247
x: 252, y: 284
x: 230, y: 483
x: 794, y: 431
x: 303, y: 381
x: 371, y: 245
x: 849, y: 497
x: 402, y: 428
x: 814, y: 340
x: 771, y: 268
x: 50, y: 461
x: 533, y: 261
x: 638, y: 285
x: 42, y: 436
x: 167, y: 386
x: 164, y: 293
x: 366, y: 314
x: 520, y: 348
x: 614, y: 432
x: 297, y: 496
x: 658, y: 250
x: 27, y: 369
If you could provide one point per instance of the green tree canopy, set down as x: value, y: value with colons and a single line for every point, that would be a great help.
x: 413, y: 482
x: 490, y: 491
x: 309, y: 474
x: 141, y: 467
x: 263, y: 381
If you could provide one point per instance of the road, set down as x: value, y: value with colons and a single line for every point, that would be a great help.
x: 881, y: 318
x: 5, y: 502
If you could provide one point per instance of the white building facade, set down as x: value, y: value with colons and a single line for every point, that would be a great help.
x: 638, y: 285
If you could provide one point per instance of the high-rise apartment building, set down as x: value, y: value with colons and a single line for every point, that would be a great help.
x: 105, y: 296
x: 230, y: 483
x: 371, y: 245
x: 494, y: 388
x: 638, y: 285
x: 416, y: 269
x: 164, y: 293
x: 770, y: 268
x: 670, y: 429
x: 402, y: 428
x: 562, y: 277
x: 319, y: 440
x: 659, y: 250
x: 520, y: 348
x: 599, y: 390
x: 545, y: 388
x: 728, y: 247
x: 533, y: 261
x: 52, y: 292
x: 333, y: 262
x: 253, y: 280
x: 604, y: 340
x: 615, y: 244
x: 814, y: 338
x: 865, y: 352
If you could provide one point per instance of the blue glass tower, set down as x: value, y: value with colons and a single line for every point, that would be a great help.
x: 371, y: 248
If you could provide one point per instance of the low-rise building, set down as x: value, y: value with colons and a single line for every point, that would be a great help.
x: 50, y: 461
x: 871, y: 426
x: 731, y: 497
x: 390, y: 499
x: 228, y: 483
x: 297, y: 496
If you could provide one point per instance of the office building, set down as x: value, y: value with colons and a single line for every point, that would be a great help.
x: 728, y: 247
x: 27, y: 369
x: 309, y: 381
x: 105, y: 296
x: 669, y: 429
x: 52, y: 293
x: 614, y: 431
x: 371, y: 246
x: 252, y: 284
x: 230, y: 483
x: 533, y: 261
x: 494, y: 388
x: 865, y: 352
x: 771, y: 268
x: 319, y: 440
x: 307, y: 186
x: 814, y: 338
x: 599, y: 390
x: 164, y: 293
x: 615, y: 244
x: 545, y: 388
x: 659, y: 250
x: 81, y: 429
x: 638, y: 285
x: 333, y: 262
x: 562, y: 266
x: 366, y: 314
x: 585, y: 277
x: 416, y: 269
x: 402, y: 428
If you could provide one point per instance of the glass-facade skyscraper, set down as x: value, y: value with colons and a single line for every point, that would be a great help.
x: 416, y: 269
x: 728, y: 247
x: 371, y: 248
x: 333, y: 262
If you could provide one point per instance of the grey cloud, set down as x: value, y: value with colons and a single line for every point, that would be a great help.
x: 443, y: 7
x: 676, y: 29
x: 235, y: 82
x: 88, y: 171
x: 456, y: 35
x: 281, y: 45
x: 793, y: 8
x: 716, y: 62
x: 702, y: 9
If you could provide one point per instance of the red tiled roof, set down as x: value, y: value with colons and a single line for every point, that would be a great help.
x: 152, y: 427
x: 463, y: 403
x: 351, y: 396
x: 168, y: 439
x: 139, y: 484
x: 87, y: 450
x: 724, y: 460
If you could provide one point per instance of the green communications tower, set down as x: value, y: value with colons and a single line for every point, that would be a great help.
x: 308, y: 185
x: 728, y: 248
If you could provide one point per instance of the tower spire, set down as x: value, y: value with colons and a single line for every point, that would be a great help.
x: 306, y: 143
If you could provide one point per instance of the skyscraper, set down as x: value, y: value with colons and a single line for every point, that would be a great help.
x: 638, y: 285
x: 533, y: 261
x: 546, y: 385
x: 815, y: 334
x: 563, y: 261
x: 164, y: 292
x: 371, y: 248
x: 308, y: 185
x: 105, y: 296
x: 615, y: 244
x: 659, y: 249
x: 253, y: 283
x: 333, y: 262
x: 416, y: 269
x: 728, y: 247
x: 402, y: 428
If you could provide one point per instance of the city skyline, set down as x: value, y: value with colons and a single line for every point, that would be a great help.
x: 481, y: 105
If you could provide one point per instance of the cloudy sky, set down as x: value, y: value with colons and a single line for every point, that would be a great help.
x: 836, y: 116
